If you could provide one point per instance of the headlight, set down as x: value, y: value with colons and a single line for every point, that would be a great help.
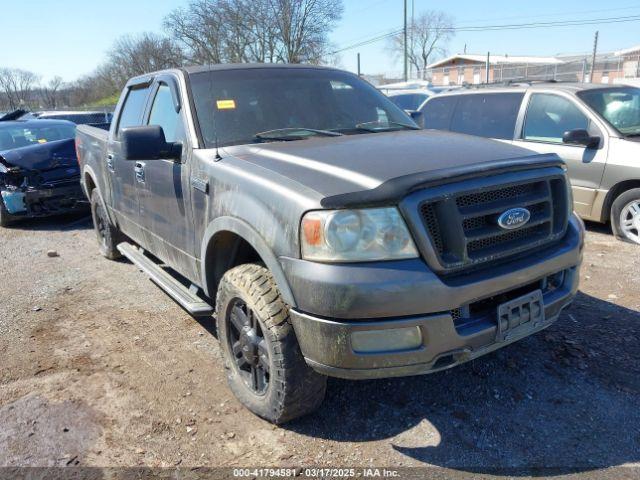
x: 355, y: 236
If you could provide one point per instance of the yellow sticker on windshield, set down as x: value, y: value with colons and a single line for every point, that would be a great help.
x: 42, y: 140
x: 226, y: 104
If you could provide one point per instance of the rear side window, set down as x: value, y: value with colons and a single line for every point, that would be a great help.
x: 131, y: 113
x: 437, y: 112
x: 550, y: 116
x: 487, y: 115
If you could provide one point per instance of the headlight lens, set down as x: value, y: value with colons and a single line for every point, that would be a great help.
x: 356, y: 236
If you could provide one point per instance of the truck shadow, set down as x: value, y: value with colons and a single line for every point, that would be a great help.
x: 563, y: 400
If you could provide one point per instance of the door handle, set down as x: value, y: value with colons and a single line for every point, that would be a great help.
x: 110, y: 162
x: 139, y: 170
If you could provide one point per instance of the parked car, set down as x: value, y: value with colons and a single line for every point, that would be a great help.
x: 595, y: 129
x: 332, y: 237
x: 411, y: 96
x: 39, y: 172
x: 410, y: 100
x: 79, y: 117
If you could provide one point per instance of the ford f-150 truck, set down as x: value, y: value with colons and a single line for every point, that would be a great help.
x: 324, y: 231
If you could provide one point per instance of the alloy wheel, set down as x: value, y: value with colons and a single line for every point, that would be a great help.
x: 630, y: 221
x: 248, y: 347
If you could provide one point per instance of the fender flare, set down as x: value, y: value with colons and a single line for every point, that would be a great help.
x: 247, y: 233
x: 88, y: 171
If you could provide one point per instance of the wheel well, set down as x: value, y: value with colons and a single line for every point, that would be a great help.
x: 225, y: 251
x: 614, y: 193
x: 89, y: 184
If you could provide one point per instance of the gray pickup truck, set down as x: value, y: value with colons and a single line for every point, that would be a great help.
x: 326, y: 233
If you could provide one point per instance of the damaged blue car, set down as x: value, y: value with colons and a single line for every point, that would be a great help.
x: 39, y: 172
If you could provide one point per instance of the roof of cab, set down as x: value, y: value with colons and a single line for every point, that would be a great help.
x: 147, y: 78
x: 250, y: 66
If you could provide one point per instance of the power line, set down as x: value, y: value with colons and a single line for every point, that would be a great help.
x: 560, y: 23
x: 556, y: 14
x: 513, y: 26
x: 370, y: 40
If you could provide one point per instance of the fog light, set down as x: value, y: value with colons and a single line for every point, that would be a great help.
x: 388, y: 340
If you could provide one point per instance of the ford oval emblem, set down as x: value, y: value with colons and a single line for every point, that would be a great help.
x: 514, y: 218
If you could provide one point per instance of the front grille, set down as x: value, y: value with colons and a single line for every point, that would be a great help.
x: 509, y: 193
x: 462, y: 226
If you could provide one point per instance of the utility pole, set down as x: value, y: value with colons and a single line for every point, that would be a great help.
x: 487, y: 69
x: 406, y: 46
x: 411, y: 27
x: 593, y: 58
x: 358, y: 63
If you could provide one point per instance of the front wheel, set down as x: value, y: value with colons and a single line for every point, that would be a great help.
x: 265, y: 367
x: 108, y: 234
x: 625, y: 216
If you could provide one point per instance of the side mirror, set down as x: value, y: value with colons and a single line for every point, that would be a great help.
x: 417, y: 116
x: 148, y: 143
x: 580, y: 137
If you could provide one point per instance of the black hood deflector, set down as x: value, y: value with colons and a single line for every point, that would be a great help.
x: 395, y: 189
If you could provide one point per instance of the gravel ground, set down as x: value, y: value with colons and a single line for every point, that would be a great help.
x: 100, y: 368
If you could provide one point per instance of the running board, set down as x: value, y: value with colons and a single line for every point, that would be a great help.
x: 186, y: 298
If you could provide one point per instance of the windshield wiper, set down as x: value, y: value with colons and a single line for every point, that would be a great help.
x: 383, y: 126
x: 289, y: 134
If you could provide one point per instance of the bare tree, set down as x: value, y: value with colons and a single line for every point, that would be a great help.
x: 220, y: 31
x: 197, y: 27
x: 49, y: 93
x: 17, y: 86
x: 147, y: 52
x: 429, y: 35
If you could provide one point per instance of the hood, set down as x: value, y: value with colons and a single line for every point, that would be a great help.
x: 42, y: 157
x: 382, y: 166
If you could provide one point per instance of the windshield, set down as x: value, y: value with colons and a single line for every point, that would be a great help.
x: 618, y: 106
x: 16, y: 136
x: 409, y: 101
x: 240, y: 106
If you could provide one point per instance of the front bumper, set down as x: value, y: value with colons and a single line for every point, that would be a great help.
x: 380, y: 297
x: 40, y: 202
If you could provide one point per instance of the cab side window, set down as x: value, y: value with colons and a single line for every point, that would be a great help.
x: 163, y: 113
x: 131, y: 113
x: 550, y: 116
x: 437, y: 112
x: 491, y: 115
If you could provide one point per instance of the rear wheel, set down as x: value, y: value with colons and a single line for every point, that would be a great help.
x: 108, y: 234
x: 625, y: 216
x: 265, y: 367
x: 5, y: 216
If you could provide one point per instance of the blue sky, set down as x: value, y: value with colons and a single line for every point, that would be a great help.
x: 70, y: 37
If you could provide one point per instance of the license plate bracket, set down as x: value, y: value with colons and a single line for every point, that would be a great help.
x: 520, y: 314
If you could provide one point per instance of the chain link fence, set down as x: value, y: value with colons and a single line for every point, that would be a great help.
x: 607, y: 70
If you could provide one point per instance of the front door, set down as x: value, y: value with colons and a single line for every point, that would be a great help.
x: 165, y: 203
x: 548, y: 117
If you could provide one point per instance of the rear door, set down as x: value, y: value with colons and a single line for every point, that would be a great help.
x: 125, y: 200
x: 548, y: 116
x: 165, y: 202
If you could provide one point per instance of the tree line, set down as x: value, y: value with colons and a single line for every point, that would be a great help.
x: 209, y: 32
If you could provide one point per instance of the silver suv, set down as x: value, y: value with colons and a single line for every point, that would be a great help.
x: 595, y: 129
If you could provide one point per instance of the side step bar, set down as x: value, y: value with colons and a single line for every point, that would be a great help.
x: 186, y: 298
